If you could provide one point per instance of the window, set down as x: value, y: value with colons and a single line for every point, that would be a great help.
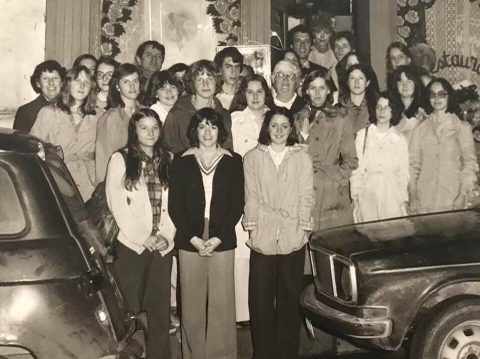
x: 12, y: 218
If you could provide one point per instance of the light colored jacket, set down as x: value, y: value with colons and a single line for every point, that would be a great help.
x: 78, y: 144
x: 443, y: 163
x: 132, y: 209
x: 278, y: 203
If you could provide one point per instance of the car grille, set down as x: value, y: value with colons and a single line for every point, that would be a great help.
x: 334, y: 275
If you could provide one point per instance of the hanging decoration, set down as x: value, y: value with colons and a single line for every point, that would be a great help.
x: 115, y: 14
x: 226, y: 20
x: 411, y: 20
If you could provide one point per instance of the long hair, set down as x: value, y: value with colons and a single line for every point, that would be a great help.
x: 114, y: 98
x: 341, y: 69
x: 65, y: 99
x: 157, y: 81
x: 400, y: 46
x: 239, y: 101
x: 133, y: 158
x: 195, y: 69
x: 324, y: 74
x: 419, y: 92
x: 405, y: 50
x: 452, y: 105
x: 372, y: 88
x: 264, y: 137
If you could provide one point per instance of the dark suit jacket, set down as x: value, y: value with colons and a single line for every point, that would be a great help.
x: 298, y: 104
x: 27, y: 114
x: 186, y: 201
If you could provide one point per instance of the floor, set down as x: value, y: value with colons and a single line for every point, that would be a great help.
x: 310, y: 349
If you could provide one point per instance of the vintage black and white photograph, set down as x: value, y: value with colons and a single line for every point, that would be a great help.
x: 240, y: 179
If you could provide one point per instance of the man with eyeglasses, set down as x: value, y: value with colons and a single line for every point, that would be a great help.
x: 103, y: 74
x: 150, y: 56
x: 46, y: 80
x: 286, y: 75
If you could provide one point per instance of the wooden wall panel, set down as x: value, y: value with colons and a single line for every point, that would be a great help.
x: 72, y: 28
x: 255, y: 22
x: 383, y: 30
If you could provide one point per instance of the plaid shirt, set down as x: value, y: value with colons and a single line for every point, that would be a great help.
x: 154, y: 187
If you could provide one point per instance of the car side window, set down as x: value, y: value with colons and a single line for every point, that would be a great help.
x: 12, y: 218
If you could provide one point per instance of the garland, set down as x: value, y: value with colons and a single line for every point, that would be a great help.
x: 115, y: 15
x: 226, y: 20
x: 411, y: 18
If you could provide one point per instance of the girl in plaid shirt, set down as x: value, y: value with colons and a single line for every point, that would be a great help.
x: 137, y: 194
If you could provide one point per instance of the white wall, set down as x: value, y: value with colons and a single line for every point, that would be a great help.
x: 22, y: 45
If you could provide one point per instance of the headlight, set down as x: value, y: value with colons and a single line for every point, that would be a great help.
x: 334, y: 275
x: 344, y: 279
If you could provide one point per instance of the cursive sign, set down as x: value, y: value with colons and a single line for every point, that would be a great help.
x: 457, y: 61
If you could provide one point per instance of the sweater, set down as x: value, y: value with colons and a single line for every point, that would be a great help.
x: 187, y: 200
x: 132, y: 209
x: 178, y: 119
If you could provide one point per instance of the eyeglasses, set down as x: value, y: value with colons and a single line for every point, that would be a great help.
x: 282, y: 76
x: 439, y: 94
x: 104, y: 76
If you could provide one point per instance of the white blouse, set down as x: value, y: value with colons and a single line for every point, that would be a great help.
x: 245, y: 130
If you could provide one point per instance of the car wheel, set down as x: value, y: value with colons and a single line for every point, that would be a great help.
x: 451, y: 333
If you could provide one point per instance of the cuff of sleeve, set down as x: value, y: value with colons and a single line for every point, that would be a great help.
x: 306, y: 225
x: 249, y: 225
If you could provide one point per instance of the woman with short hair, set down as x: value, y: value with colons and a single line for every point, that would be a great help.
x: 206, y: 202
x: 71, y: 123
x: 162, y: 93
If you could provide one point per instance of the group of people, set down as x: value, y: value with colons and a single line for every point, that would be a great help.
x: 206, y: 158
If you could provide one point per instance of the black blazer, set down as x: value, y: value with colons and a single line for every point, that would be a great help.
x: 186, y: 201
x: 27, y: 114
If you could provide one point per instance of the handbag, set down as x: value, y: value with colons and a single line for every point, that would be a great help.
x: 102, y: 217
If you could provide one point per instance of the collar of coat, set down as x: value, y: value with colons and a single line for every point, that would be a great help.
x: 194, y: 150
x: 297, y: 147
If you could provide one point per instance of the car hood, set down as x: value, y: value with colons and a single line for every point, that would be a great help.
x: 423, y: 239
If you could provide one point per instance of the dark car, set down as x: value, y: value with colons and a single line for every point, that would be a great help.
x: 412, y: 282
x: 57, y: 300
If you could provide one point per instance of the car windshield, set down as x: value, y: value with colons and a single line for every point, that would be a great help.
x: 73, y: 201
